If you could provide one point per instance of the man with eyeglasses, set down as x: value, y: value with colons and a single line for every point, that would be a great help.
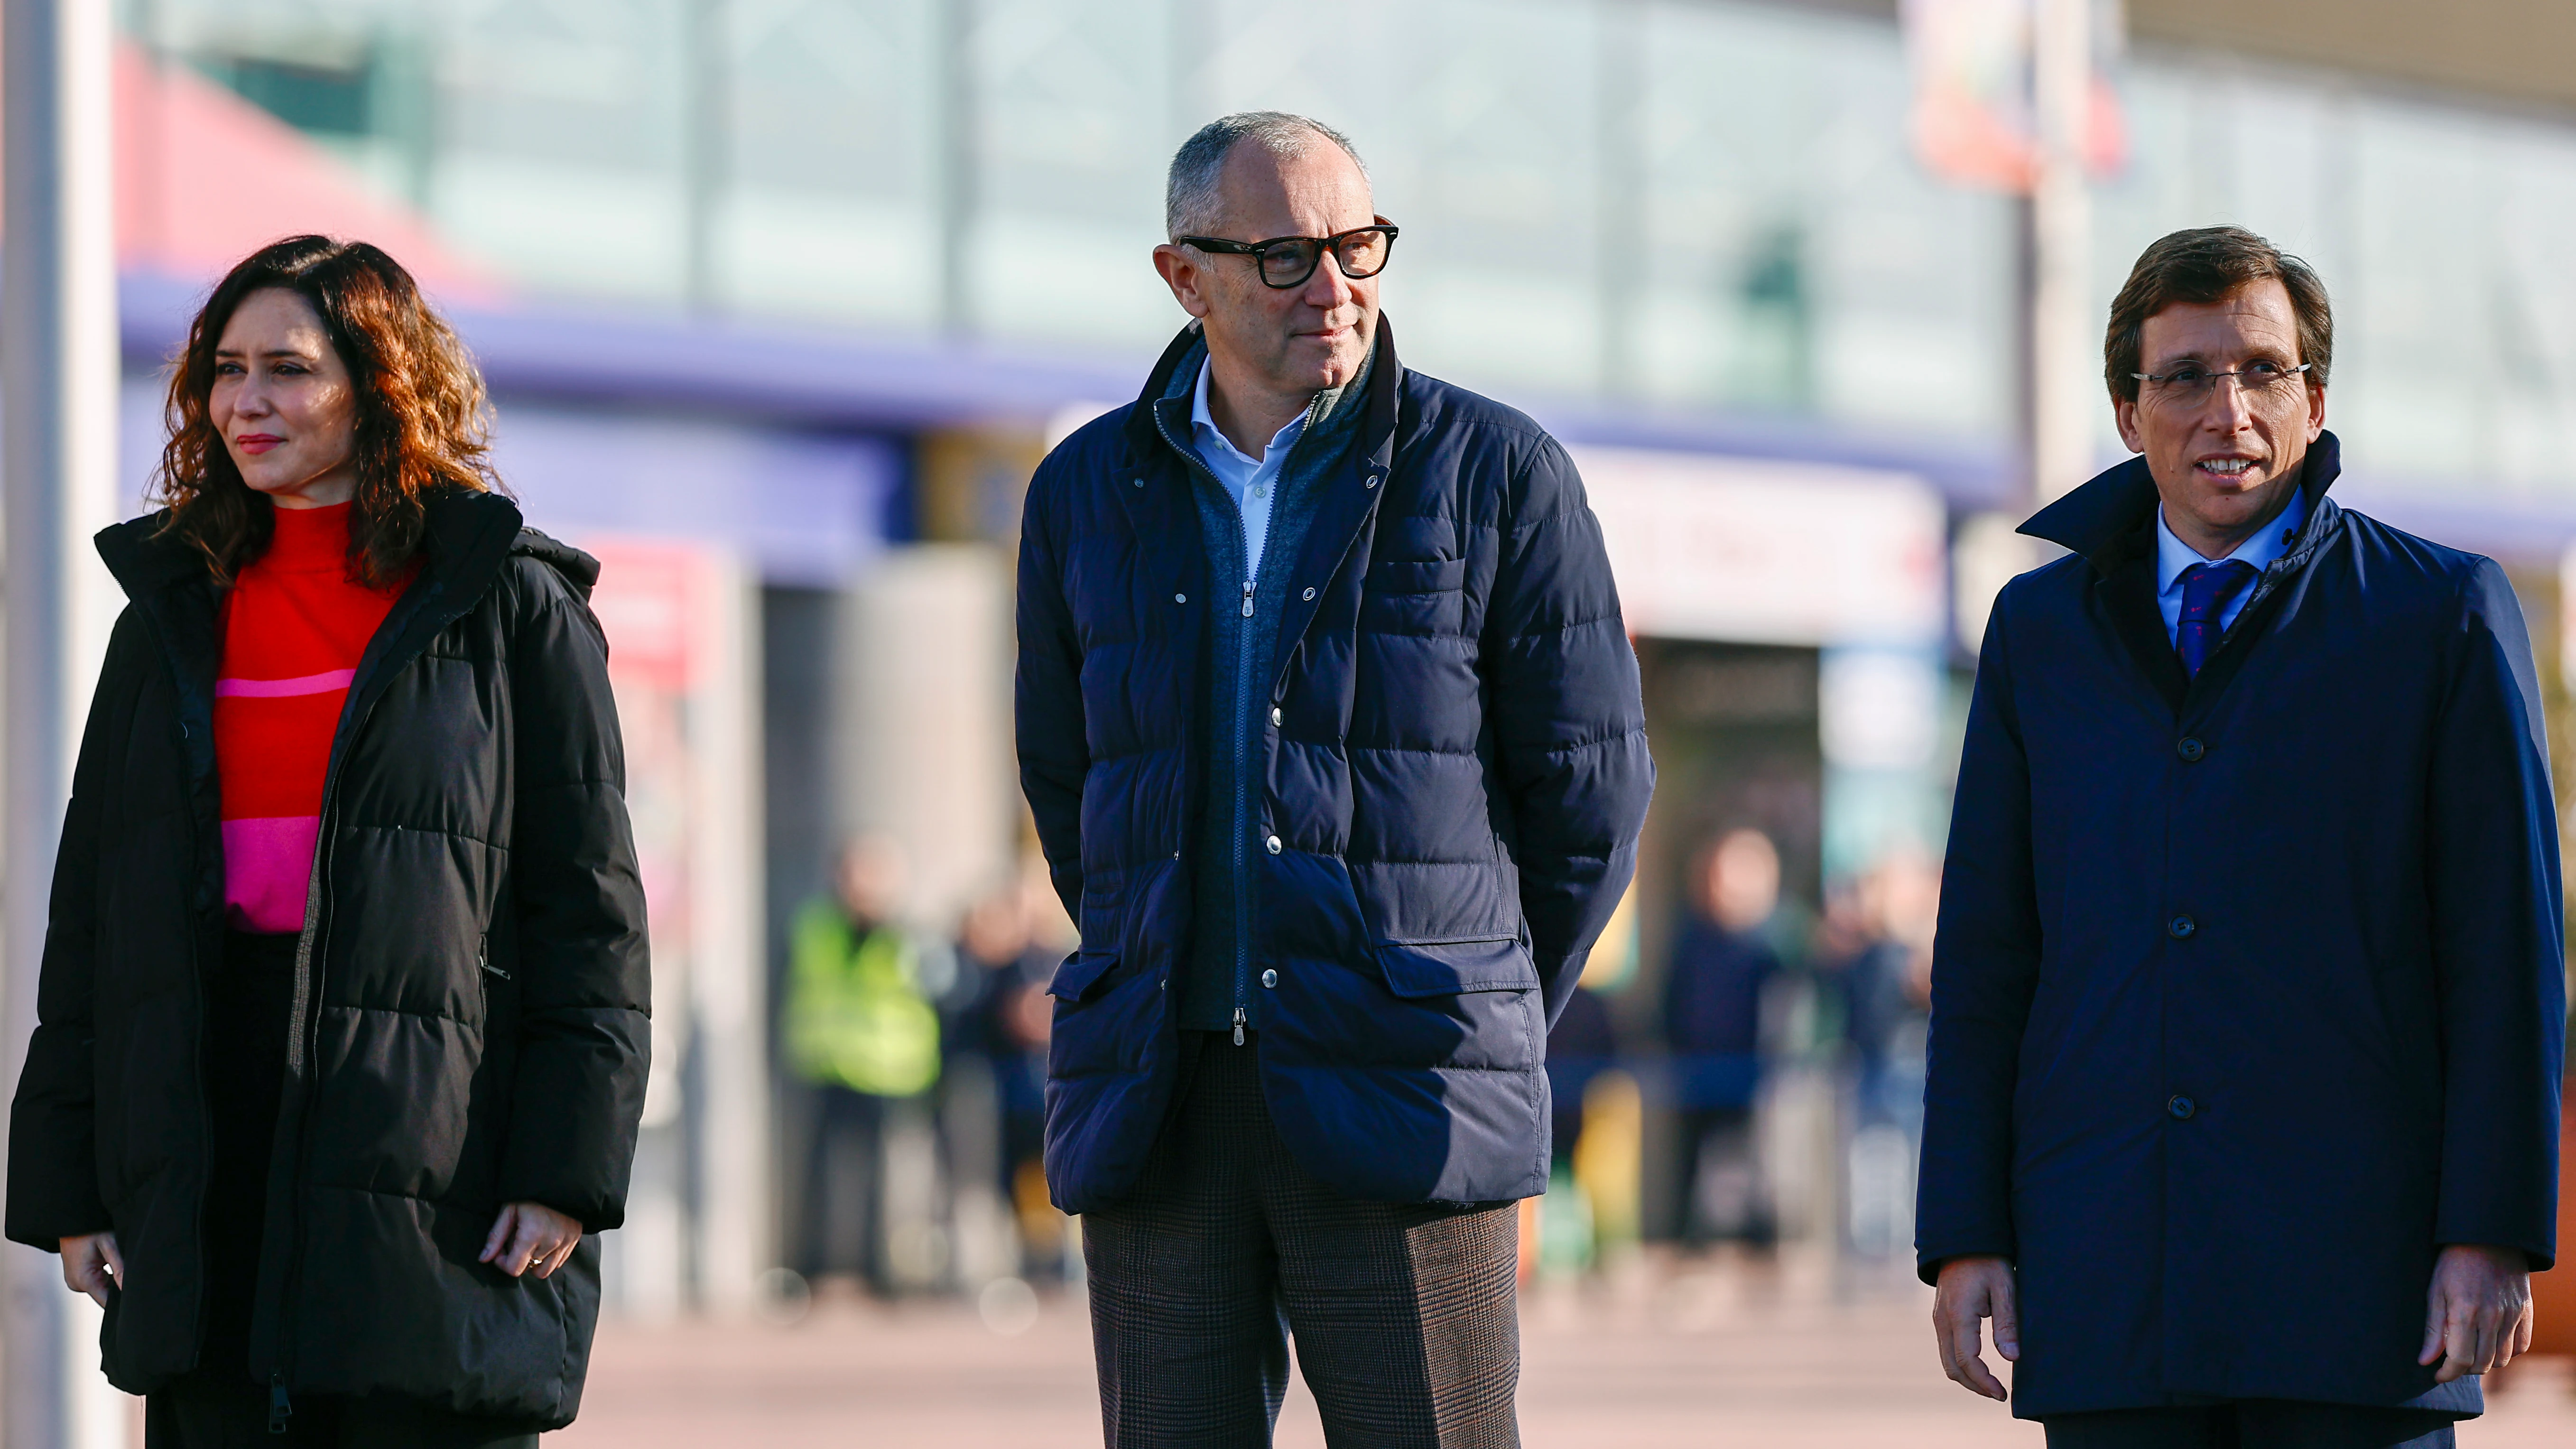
x: 1333, y: 736
x: 2247, y: 1000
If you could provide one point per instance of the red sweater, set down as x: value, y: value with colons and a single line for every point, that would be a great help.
x: 294, y: 629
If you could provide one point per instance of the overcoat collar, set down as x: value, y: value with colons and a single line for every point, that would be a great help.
x: 2102, y: 519
x: 459, y: 542
x: 2111, y: 522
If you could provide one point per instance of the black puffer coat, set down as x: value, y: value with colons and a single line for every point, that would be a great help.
x: 471, y: 986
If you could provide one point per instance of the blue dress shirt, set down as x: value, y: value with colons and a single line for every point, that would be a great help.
x: 2173, y: 556
x: 1251, y: 482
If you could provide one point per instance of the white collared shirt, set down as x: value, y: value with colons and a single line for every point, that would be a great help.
x: 1252, y: 482
x: 2175, y: 557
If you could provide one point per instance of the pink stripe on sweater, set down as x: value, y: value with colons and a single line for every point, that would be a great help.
x: 284, y: 688
x: 267, y: 864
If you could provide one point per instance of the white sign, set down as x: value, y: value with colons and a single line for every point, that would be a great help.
x: 1769, y: 552
x: 1879, y: 709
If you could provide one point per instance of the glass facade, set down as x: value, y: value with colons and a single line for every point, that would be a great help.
x: 1657, y: 204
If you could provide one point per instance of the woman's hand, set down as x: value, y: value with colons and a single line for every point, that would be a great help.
x: 529, y: 1235
x: 92, y: 1265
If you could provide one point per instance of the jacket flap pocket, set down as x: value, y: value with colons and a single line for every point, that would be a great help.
x: 1081, y: 974
x: 1423, y: 576
x: 1445, y: 968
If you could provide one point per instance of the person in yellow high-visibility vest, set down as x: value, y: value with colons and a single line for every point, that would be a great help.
x: 861, y: 1031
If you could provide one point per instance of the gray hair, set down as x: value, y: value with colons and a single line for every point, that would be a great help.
x: 1193, y: 204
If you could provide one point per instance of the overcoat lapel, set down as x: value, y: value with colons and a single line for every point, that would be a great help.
x: 2127, y: 598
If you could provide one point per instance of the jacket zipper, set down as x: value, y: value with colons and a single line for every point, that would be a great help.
x: 1243, y: 683
x: 205, y: 1108
x: 281, y: 1406
x: 1243, y: 823
x: 1243, y: 752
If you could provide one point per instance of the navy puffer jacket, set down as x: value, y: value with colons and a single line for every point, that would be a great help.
x: 1453, y: 779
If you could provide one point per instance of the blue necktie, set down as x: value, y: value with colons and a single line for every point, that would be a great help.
x: 2206, y: 588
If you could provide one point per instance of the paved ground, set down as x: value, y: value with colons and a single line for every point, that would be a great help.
x: 1706, y: 1359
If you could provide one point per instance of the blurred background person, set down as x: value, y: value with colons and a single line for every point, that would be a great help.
x: 1874, y: 964
x: 863, y: 1035
x: 348, y: 867
x: 1582, y: 1045
x: 1715, y: 987
x: 1008, y: 960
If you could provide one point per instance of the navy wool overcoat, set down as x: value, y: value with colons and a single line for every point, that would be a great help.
x: 2247, y: 997
x: 1451, y: 780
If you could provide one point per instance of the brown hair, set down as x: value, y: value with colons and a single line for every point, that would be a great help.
x: 423, y: 426
x: 2204, y: 265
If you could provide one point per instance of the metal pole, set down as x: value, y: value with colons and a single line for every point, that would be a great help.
x: 2065, y: 391
x: 958, y: 156
x: 58, y: 374
x: 708, y: 159
x: 1619, y: 191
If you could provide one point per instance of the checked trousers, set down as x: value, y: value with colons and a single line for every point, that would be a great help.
x: 1403, y: 1314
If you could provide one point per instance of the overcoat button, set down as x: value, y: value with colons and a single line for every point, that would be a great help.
x: 1275, y: 717
x: 1273, y: 843
x: 1270, y: 978
x: 2181, y: 927
x: 1140, y: 482
x: 1180, y: 598
x: 1310, y: 594
x: 2190, y: 749
x: 2180, y: 1107
x: 1372, y: 480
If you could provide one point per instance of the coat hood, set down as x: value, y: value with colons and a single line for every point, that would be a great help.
x: 459, y: 543
x: 578, y: 569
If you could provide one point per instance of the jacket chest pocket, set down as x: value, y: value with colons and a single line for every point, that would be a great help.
x: 1414, y: 596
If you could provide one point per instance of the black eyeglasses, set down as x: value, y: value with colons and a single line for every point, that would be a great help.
x: 1287, y: 261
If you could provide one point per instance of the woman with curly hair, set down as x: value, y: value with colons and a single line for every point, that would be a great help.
x: 342, y: 1031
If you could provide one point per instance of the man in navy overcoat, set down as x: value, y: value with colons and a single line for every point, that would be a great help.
x: 2248, y: 1002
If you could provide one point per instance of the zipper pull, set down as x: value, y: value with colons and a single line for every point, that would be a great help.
x: 280, y: 1407
x: 1247, y: 598
x: 1238, y: 1041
